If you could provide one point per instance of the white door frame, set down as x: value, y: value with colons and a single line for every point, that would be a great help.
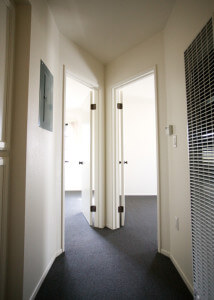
x: 5, y: 145
x: 98, y: 221
x: 115, y: 190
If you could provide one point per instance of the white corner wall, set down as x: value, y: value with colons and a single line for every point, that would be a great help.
x: 135, y: 61
x: 185, y: 22
x: 43, y: 165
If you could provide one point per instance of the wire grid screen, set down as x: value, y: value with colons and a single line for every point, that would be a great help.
x: 199, y: 71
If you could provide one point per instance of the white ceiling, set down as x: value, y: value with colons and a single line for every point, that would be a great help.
x: 107, y: 28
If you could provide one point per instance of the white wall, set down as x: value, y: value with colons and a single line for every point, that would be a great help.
x: 140, y: 174
x: 185, y: 22
x: 137, y: 60
x: 43, y: 165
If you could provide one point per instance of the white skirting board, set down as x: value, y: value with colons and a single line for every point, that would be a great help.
x: 44, y: 274
x: 178, y: 268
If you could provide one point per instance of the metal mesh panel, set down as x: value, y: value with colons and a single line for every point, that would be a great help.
x: 199, y: 70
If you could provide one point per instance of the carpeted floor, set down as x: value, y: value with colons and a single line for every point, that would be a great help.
x: 105, y: 264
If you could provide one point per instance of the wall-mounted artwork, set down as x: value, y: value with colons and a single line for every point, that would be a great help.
x: 45, y: 98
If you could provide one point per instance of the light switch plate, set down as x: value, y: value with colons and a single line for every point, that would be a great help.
x: 174, y: 141
x: 177, y: 223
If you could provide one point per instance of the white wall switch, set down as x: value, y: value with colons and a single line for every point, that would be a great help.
x: 177, y: 223
x: 174, y: 141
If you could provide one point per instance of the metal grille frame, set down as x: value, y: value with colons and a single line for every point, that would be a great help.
x: 199, y: 73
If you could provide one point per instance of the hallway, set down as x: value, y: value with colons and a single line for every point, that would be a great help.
x: 105, y: 264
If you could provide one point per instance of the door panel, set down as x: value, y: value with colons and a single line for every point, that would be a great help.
x: 120, y: 197
x: 86, y: 159
x: 121, y: 159
x: 95, y: 157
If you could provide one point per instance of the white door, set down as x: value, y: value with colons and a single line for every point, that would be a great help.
x: 86, y: 162
x: 120, y: 196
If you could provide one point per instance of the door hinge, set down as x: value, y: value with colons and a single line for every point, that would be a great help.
x: 93, y: 106
x: 119, y: 105
x: 120, y: 209
x: 93, y: 208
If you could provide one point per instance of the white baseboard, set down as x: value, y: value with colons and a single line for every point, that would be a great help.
x: 178, y: 268
x: 165, y: 252
x: 188, y: 284
x: 109, y: 226
x: 60, y: 251
x: 44, y: 274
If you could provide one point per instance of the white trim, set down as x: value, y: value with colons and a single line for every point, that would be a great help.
x: 152, y: 70
x: 80, y: 80
x: 133, y: 78
x: 178, y: 268
x: 164, y: 252
x: 183, y: 276
x: 62, y: 163
x: 45, y: 274
x: 109, y: 226
x: 157, y: 159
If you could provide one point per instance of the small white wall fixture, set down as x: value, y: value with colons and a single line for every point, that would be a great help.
x: 116, y: 149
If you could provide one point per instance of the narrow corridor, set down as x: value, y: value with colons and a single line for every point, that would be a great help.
x: 120, y: 264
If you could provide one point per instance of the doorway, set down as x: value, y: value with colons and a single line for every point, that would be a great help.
x: 80, y: 148
x: 136, y: 145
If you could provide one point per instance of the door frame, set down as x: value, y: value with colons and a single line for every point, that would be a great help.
x: 115, y: 190
x: 98, y: 170
x: 5, y: 145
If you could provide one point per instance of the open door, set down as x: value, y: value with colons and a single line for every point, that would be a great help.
x: 86, y: 154
x: 89, y: 156
x: 120, y: 196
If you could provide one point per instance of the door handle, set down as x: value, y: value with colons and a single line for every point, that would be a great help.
x: 80, y: 162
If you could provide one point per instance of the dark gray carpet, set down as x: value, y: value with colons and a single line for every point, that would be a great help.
x: 105, y: 264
